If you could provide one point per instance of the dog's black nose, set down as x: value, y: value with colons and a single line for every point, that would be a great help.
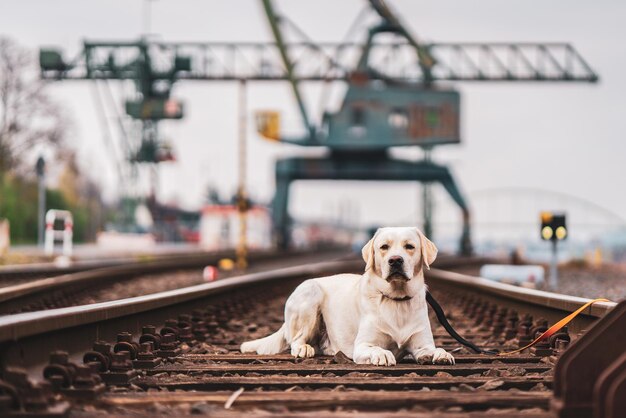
x: 395, y: 261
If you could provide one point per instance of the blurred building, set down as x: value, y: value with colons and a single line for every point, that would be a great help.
x: 219, y: 227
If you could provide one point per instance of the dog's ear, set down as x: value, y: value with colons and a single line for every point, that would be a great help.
x: 428, y: 249
x: 368, y: 253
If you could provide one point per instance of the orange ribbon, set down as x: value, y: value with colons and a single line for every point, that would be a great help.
x: 554, y: 328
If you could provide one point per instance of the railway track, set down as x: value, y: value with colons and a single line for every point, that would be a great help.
x: 99, y: 282
x: 176, y: 353
x: 11, y: 275
x: 21, y: 273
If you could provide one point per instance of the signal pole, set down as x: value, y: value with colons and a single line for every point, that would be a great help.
x: 40, y: 167
x: 554, y: 271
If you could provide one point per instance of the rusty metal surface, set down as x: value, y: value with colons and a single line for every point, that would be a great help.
x: 462, y: 369
x: 370, y: 399
x: 581, y: 367
x: 609, y: 392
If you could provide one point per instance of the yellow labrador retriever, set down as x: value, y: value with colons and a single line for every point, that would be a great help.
x: 374, y: 318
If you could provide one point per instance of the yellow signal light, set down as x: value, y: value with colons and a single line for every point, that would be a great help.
x: 546, y: 232
x: 546, y: 217
x: 560, y: 232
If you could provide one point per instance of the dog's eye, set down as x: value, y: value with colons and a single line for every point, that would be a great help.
x: 409, y: 247
x: 384, y: 247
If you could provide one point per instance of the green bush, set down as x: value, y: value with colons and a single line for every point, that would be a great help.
x: 18, y: 203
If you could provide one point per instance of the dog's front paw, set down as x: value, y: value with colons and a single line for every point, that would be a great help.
x: 441, y: 356
x: 379, y: 357
x: 436, y: 356
x: 303, y: 350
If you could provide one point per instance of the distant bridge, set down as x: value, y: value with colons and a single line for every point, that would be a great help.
x: 511, y: 214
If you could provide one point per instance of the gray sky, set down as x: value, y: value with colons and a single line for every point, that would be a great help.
x: 566, y: 137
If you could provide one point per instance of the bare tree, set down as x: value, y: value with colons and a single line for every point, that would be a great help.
x: 28, y: 117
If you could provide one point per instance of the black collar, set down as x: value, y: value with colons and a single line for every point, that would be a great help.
x: 402, y: 299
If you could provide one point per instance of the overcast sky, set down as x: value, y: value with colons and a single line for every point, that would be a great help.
x: 565, y: 137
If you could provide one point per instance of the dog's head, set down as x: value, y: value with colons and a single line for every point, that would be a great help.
x: 398, y: 254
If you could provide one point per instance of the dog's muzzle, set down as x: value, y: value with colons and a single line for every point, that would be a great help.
x: 397, y: 274
x: 396, y: 269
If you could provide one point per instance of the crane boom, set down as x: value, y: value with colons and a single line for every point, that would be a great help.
x: 254, y: 61
x: 274, y: 21
x: 426, y: 61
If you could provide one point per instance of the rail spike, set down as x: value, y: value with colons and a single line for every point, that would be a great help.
x: 23, y: 397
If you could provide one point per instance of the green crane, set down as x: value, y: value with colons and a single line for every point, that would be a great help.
x: 380, y: 111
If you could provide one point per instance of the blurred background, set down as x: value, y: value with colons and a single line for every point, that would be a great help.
x: 541, y: 131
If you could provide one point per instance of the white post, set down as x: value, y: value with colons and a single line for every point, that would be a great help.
x: 49, y: 236
x: 5, y: 236
x: 67, y: 234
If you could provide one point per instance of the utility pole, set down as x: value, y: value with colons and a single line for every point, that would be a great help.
x: 427, y: 200
x: 242, y: 196
x: 40, y: 167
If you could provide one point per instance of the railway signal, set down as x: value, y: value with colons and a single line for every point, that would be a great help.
x: 553, y: 226
x: 553, y: 229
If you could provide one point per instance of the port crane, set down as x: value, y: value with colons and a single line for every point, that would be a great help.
x: 395, y: 97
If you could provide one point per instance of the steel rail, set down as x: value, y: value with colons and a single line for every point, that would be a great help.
x: 53, y: 268
x: 551, y: 306
x: 12, y: 297
x: 86, y: 277
x: 38, y: 270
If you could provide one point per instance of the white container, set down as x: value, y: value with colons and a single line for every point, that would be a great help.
x: 520, y: 275
x: 113, y: 242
